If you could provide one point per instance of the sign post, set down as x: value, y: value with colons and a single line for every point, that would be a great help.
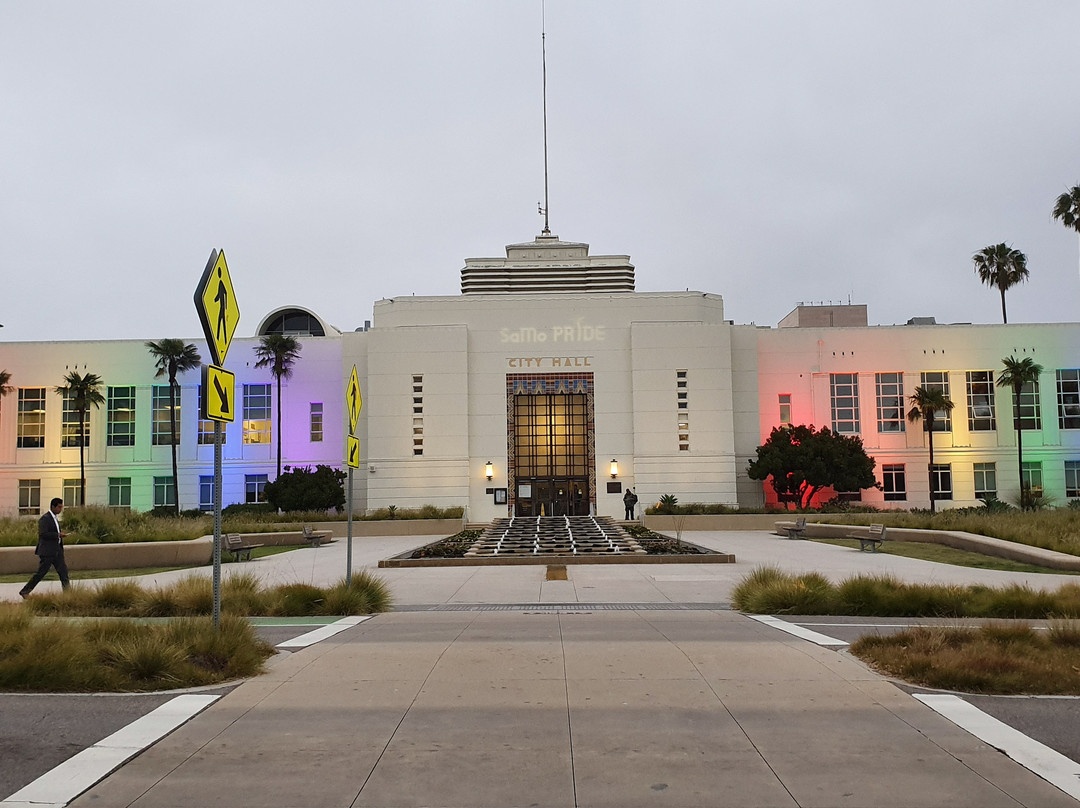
x: 353, y: 401
x: 219, y: 314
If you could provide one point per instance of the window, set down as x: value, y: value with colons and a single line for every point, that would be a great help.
x: 1068, y: 390
x: 1029, y: 416
x: 785, y: 409
x: 71, y: 491
x: 119, y: 492
x: 682, y: 404
x: 1072, y: 478
x: 680, y: 390
x: 418, y: 418
x: 939, y: 381
x: 206, y: 493
x: 844, y: 394
x: 256, y: 413
x: 942, y: 480
x: 1031, y: 478
x: 120, y: 429
x: 29, y: 497
x: 316, y: 422
x: 985, y: 481
x: 31, y: 419
x: 160, y: 425
x: 980, y: 401
x: 255, y: 488
x: 163, y: 492
x: 69, y: 424
x: 890, y: 401
x: 206, y: 428
x: 893, y: 483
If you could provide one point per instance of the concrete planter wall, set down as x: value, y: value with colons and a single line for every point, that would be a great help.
x: 131, y: 555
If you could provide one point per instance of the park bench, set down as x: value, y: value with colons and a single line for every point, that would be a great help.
x: 314, y: 537
x: 234, y: 544
x: 872, y: 542
x: 799, y: 531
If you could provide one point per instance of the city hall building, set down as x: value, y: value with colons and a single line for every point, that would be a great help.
x: 549, y: 386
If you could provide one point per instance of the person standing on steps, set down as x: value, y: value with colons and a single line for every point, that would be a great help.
x: 50, y: 548
x: 629, y: 503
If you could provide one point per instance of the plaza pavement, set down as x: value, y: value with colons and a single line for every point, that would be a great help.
x: 578, y: 706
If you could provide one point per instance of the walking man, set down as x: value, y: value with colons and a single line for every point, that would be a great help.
x: 50, y: 547
x: 629, y: 503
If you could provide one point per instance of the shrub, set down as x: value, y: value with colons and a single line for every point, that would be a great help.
x: 294, y: 600
x: 300, y: 489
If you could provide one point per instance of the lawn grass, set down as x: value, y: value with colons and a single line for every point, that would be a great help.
x: 1001, y: 659
x: 942, y: 554
x: 62, y: 656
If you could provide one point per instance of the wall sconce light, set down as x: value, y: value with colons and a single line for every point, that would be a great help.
x: 489, y: 470
x: 614, y: 469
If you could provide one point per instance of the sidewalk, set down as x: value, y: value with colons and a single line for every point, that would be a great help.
x: 574, y: 707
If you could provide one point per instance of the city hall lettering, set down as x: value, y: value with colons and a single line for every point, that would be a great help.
x: 577, y: 331
x: 549, y: 362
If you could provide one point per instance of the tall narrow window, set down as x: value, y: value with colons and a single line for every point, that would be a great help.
x: 939, y: 381
x: 206, y: 492
x: 69, y: 424
x: 418, y: 415
x: 980, y: 401
x: 119, y: 492
x: 682, y: 407
x: 71, y: 491
x: 1031, y: 478
x: 890, y: 401
x: 257, y: 413
x: 893, y: 482
x: 255, y: 488
x: 942, y: 480
x: 316, y: 431
x: 31, y: 419
x: 1072, y: 478
x: 844, y: 397
x: 29, y: 497
x: 1068, y: 391
x: 160, y: 424
x: 785, y: 409
x: 163, y: 492
x: 1030, y: 415
x: 985, y: 481
x: 120, y: 427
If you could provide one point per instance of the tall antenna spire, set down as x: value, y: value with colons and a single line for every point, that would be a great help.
x: 543, y: 51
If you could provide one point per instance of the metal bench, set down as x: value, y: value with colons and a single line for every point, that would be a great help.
x: 799, y: 531
x: 234, y: 544
x: 872, y: 542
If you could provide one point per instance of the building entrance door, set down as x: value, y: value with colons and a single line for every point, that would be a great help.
x: 551, y: 463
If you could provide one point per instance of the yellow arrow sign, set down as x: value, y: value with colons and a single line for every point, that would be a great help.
x: 218, y: 394
x: 353, y: 400
x: 216, y: 304
x: 352, y: 453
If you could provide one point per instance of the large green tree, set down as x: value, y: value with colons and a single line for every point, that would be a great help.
x: 1067, y: 209
x: 83, y: 390
x: 925, y: 405
x: 279, y: 352
x: 171, y: 358
x: 1002, y: 266
x: 1018, y: 374
x: 801, y: 461
x: 304, y: 489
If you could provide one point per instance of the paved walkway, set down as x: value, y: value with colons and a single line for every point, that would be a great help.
x: 575, y: 707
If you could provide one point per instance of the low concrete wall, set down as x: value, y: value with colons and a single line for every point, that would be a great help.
x: 396, y: 527
x: 131, y: 555
x: 1000, y: 548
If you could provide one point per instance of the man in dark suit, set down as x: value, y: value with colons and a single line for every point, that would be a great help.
x: 50, y: 547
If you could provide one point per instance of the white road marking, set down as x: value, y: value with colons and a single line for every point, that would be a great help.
x: 797, y: 630
x: 1052, y: 766
x: 58, y: 787
x: 319, y: 634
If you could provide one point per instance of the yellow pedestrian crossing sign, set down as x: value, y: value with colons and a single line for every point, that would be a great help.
x: 353, y: 400
x: 352, y: 454
x: 218, y: 394
x: 216, y: 303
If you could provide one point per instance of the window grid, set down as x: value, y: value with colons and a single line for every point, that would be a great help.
x: 844, y: 398
x: 29, y: 497
x: 257, y: 406
x: 30, y: 423
x: 682, y: 416
x: 551, y: 435
x: 206, y: 492
x: 980, y: 401
x: 1068, y: 392
x: 119, y: 492
x: 163, y: 492
x: 942, y: 480
x: 985, y: 481
x: 939, y: 381
x: 160, y: 427
x: 69, y: 424
x: 418, y: 418
x: 893, y: 482
x: 1072, y: 478
x: 1031, y: 477
x: 1030, y: 414
x: 206, y: 427
x: 890, y: 401
x: 316, y: 431
x: 784, y: 401
x: 255, y: 488
x: 71, y: 491
x: 120, y: 424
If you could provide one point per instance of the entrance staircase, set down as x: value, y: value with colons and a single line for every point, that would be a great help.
x: 554, y: 536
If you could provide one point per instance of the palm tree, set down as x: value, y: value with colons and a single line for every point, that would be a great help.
x: 5, y: 383
x: 1001, y: 266
x: 1067, y: 208
x: 84, y: 392
x: 279, y: 352
x: 925, y: 405
x: 1019, y: 373
x: 173, y: 356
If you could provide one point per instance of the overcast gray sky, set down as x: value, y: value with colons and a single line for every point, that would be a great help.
x: 343, y: 152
